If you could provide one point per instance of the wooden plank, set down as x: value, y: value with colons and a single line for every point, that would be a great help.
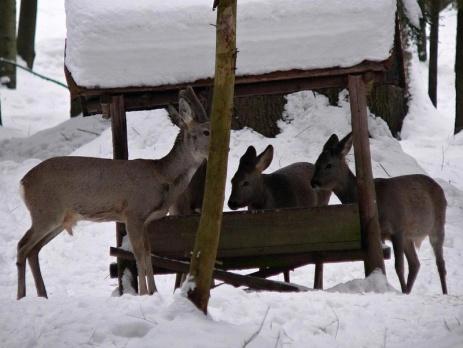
x: 230, y: 278
x: 280, y: 262
x: 149, y: 99
x: 366, y: 66
x: 264, y: 232
x: 371, y: 232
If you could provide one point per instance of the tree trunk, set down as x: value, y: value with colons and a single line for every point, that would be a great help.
x: 421, y: 40
x: 433, y: 48
x: 390, y: 103
x: 26, y: 31
x: 8, y: 42
x: 260, y: 113
x: 459, y: 71
x: 207, y: 238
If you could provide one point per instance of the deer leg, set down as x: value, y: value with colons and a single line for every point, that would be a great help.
x: 34, y: 264
x: 437, y: 246
x: 149, y: 267
x: 413, y: 264
x: 398, y: 246
x: 157, y: 214
x: 135, y: 233
x: 21, y: 263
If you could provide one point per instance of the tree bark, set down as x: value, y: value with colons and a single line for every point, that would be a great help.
x: 207, y: 238
x: 459, y: 71
x: 422, y: 42
x: 433, y: 51
x: 260, y: 113
x: 26, y: 31
x: 8, y: 41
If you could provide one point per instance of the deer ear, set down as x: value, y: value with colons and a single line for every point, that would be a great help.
x: 175, y: 116
x: 264, y: 159
x: 198, y: 111
x: 331, y: 143
x: 249, y: 156
x: 345, y: 145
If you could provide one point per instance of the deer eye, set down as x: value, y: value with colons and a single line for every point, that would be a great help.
x: 245, y: 183
x: 328, y: 166
x: 206, y: 133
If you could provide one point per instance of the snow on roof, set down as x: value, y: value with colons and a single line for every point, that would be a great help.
x: 120, y: 43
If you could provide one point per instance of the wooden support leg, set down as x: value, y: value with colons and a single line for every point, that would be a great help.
x: 178, y: 280
x: 371, y: 233
x: 120, y: 151
x: 286, y: 276
x: 318, y: 279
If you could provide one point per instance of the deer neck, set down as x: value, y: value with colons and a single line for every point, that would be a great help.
x: 346, y: 188
x: 262, y: 196
x: 179, y: 165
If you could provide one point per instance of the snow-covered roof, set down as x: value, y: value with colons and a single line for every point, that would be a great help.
x: 120, y: 43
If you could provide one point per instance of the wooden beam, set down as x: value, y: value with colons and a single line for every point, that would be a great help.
x: 318, y: 279
x: 371, y: 233
x: 120, y: 151
x: 230, y: 278
x: 273, y: 264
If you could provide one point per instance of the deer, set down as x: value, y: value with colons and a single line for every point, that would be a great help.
x: 410, y: 207
x: 61, y: 191
x: 191, y: 200
x: 288, y: 187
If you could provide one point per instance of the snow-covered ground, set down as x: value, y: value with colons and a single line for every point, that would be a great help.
x: 352, y: 313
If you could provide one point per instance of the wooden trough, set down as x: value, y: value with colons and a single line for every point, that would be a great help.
x: 271, y: 240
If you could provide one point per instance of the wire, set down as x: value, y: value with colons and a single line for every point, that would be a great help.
x: 3, y: 60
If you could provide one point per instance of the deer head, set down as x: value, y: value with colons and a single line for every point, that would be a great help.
x: 247, y: 183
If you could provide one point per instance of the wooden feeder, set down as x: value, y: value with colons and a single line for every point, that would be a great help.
x: 273, y: 241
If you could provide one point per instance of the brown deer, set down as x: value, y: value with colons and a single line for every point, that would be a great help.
x: 285, y: 188
x: 191, y: 200
x: 63, y: 190
x: 410, y: 207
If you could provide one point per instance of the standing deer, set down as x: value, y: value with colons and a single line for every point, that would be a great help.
x: 410, y: 207
x: 63, y: 190
x: 285, y: 188
x: 191, y: 200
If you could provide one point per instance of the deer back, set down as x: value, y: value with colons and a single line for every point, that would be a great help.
x: 286, y: 187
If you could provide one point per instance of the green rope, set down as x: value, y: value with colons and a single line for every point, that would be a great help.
x: 3, y: 60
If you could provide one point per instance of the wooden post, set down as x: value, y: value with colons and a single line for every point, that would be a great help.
x: 318, y: 280
x: 207, y: 238
x: 120, y: 151
x: 371, y: 232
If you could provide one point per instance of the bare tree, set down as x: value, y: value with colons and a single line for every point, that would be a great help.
x: 459, y: 70
x: 8, y: 42
x: 207, y: 238
x: 26, y: 31
x: 421, y: 39
x: 433, y: 50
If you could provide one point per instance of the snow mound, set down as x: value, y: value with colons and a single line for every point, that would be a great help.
x: 118, y: 43
x: 375, y: 282
x: 57, y: 141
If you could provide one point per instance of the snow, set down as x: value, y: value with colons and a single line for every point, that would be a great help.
x: 413, y: 12
x: 352, y: 312
x: 115, y: 43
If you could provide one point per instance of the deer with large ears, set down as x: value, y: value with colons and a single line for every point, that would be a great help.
x: 63, y: 190
x: 410, y: 207
x: 287, y: 187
